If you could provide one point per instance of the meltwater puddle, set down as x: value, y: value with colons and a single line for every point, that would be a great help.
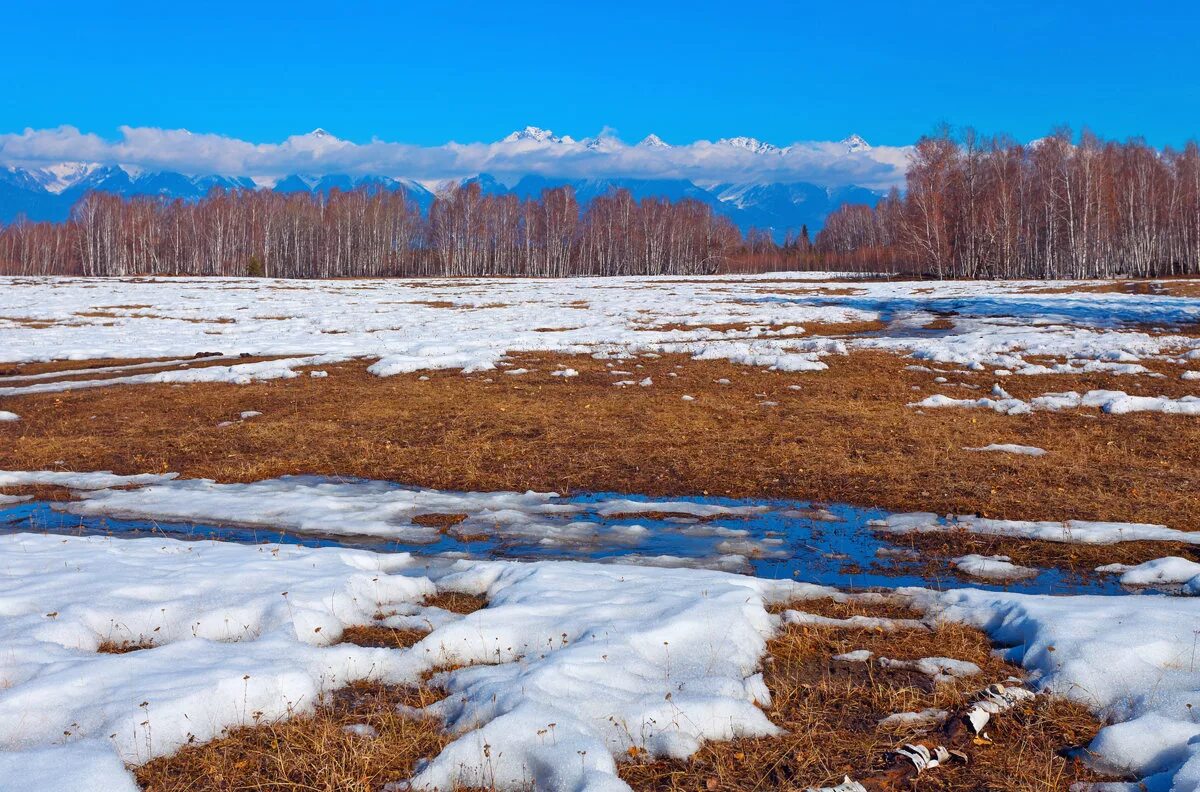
x: 828, y: 544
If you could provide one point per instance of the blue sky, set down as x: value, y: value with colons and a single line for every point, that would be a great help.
x: 435, y: 72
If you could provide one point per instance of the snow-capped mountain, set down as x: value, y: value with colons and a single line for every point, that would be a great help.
x: 753, y: 145
x: 59, y: 177
x: 532, y: 134
x: 772, y: 206
x: 49, y: 192
x: 855, y: 144
x: 654, y: 142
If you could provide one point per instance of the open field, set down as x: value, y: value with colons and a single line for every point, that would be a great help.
x: 504, y: 516
x: 845, y: 435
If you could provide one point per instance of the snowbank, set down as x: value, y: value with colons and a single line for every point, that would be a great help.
x: 1111, y: 402
x: 1010, y: 448
x: 994, y: 567
x: 602, y: 657
x: 1169, y: 571
x: 236, y: 630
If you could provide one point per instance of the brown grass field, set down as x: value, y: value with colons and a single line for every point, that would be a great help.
x: 844, y: 435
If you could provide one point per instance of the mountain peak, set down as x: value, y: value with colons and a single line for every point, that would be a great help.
x: 63, y: 175
x: 855, y: 143
x: 603, y: 143
x: 750, y: 144
x: 319, y: 133
x: 534, y: 134
x: 654, y: 141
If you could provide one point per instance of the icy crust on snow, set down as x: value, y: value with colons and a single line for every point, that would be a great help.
x: 571, y: 664
x: 406, y: 324
x: 1010, y: 448
x: 1131, y: 659
x: 97, y: 480
x: 991, y: 567
x: 239, y: 374
x: 1068, y: 531
x: 1109, y: 401
x: 1169, y: 571
x: 321, y: 507
x: 658, y: 660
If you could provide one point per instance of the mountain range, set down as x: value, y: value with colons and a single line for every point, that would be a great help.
x: 47, y: 193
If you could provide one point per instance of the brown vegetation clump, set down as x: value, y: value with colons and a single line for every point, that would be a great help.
x: 438, y: 520
x: 831, y: 711
x: 457, y: 602
x: 380, y: 636
x: 122, y: 647
x: 355, y: 741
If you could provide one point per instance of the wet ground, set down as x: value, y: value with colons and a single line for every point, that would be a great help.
x: 829, y: 544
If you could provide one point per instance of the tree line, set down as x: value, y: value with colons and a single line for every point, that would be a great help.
x: 988, y: 207
x: 973, y: 207
x: 374, y: 233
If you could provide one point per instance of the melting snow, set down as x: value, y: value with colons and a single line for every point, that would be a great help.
x: 1010, y: 448
x: 996, y: 567
x: 997, y: 325
x: 1069, y: 531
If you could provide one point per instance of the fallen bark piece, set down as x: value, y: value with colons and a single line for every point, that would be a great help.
x: 924, y: 718
x: 881, y: 623
x: 940, y: 669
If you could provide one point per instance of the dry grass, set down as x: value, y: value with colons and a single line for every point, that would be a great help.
x: 31, y: 323
x: 380, y: 636
x: 831, y: 711
x: 1079, y: 559
x: 438, y: 519
x: 310, y: 752
x: 316, y: 751
x: 123, y: 647
x: 457, y: 602
x: 838, y: 329
x: 400, y: 638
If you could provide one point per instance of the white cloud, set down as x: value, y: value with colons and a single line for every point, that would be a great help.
x: 319, y: 153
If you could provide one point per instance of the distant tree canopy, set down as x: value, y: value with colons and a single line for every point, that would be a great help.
x: 973, y: 207
x: 373, y: 233
x: 991, y: 208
